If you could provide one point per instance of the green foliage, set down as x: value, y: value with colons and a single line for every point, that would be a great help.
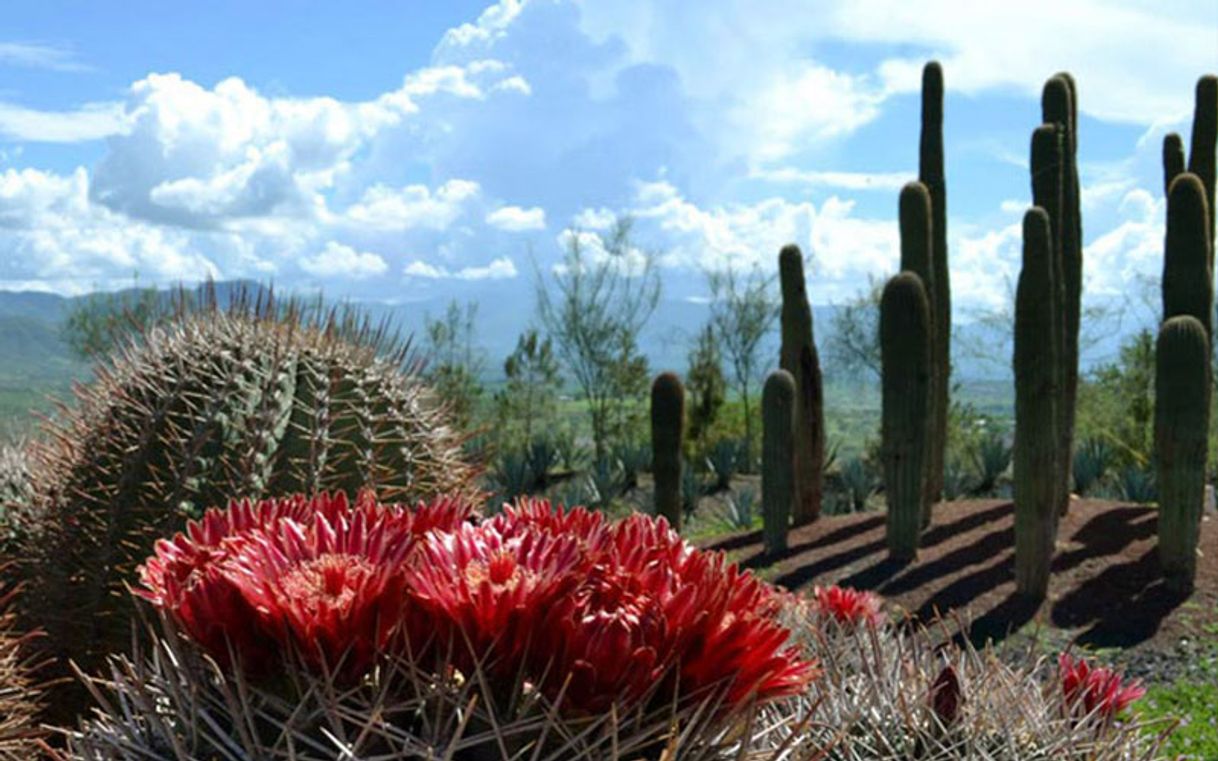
x: 691, y: 490
x: 1037, y: 394
x: 992, y: 457
x: 957, y: 481
x: 799, y: 358
x: 858, y: 480
x: 512, y: 475
x: 723, y: 460
x: 454, y: 365
x: 1192, y: 700
x: 593, y: 308
x: 740, y: 510
x: 528, y: 402
x: 1116, y: 402
x: 704, y: 385
x: 907, y: 345
x: 1136, y: 484
x: 777, y: 464
x: 743, y: 312
x: 102, y: 321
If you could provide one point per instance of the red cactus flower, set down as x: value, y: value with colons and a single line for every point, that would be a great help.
x: 945, y: 696
x: 486, y: 593
x: 529, y: 515
x: 1095, y: 689
x: 654, y: 613
x: 849, y: 606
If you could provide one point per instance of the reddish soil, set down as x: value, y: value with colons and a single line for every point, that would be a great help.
x: 1106, y: 590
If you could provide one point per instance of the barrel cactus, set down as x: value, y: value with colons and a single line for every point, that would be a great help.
x: 667, y: 424
x: 777, y: 462
x: 906, y: 346
x: 932, y: 174
x: 244, y: 399
x: 917, y: 257
x: 1182, y: 384
x: 1187, y: 283
x: 1036, y: 419
x: 800, y: 359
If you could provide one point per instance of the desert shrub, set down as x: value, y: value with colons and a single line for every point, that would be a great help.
x: 957, y: 481
x: 632, y: 459
x: 607, y: 480
x: 512, y: 475
x: 692, y: 490
x: 1137, y: 484
x: 724, y: 459
x: 859, y: 481
x: 317, y: 629
x: 543, y: 456
x: 992, y: 458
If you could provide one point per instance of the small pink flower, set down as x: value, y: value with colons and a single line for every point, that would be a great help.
x: 849, y: 606
x: 1095, y: 689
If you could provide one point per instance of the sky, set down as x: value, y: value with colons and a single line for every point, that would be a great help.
x: 395, y: 151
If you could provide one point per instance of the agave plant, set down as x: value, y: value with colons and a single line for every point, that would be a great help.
x: 723, y: 460
x: 957, y: 482
x: 633, y: 459
x: 992, y: 458
x: 513, y: 475
x: 607, y: 480
x: 1092, y: 461
x: 692, y: 490
x: 741, y: 510
x: 542, y: 456
x: 859, y: 481
x: 1137, y: 485
x: 537, y: 634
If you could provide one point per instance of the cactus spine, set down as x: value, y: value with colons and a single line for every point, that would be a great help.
x: 1201, y: 152
x: 1059, y: 106
x: 917, y: 256
x: 777, y: 464
x: 906, y: 345
x: 667, y: 423
x: 931, y: 173
x: 1173, y: 159
x: 1036, y: 397
x: 1187, y: 282
x: 800, y: 359
x: 1182, y: 392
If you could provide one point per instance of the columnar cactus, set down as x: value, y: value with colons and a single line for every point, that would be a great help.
x: 1182, y: 393
x: 1037, y: 376
x: 931, y: 173
x: 1201, y: 152
x: 906, y: 345
x: 229, y: 401
x: 917, y: 257
x: 1173, y: 159
x: 667, y: 424
x: 1059, y: 105
x: 1187, y: 281
x: 777, y: 464
x: 800, y: 359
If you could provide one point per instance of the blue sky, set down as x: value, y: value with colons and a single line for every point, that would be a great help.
x: 403, y: 150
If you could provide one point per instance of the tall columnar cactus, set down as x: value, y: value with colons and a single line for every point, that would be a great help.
x: 800, y: 359
x: 917, y: 256
x: 249, y: 399
x: 1059, y: 105
x: 1037, y: 376
x: 1201, y: 152
x: 1173, y: 159
x: 667, y: 424
x: 931, y: 173
x: 777, y: 464
x: 1187, y: 279
x: 1182, y: 394
x: 906, y: 346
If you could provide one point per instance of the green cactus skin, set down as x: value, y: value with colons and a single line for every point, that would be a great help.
x: 931, y: 173
x: 906, y: 347
x: 917, y: 256
x: 1201, y: 151
x: 1036, y: 397
x: 228, y: 402
x: 778, y: 400
x: 1187, y: 282
x: 799, y: 358
x: 667, y: 424
x: 1059, y: 105
x: 1173, y: 159
x: 1182, y: 394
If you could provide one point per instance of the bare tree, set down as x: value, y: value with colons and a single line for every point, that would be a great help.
x: 853, y: 345
x: 743, y: 312
x: 594, y: 307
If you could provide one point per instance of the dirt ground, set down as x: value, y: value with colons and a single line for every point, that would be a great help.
x: 1106, y: 590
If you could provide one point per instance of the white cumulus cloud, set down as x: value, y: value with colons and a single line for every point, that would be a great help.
x: 342, y: 261
x: 516, y: 219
